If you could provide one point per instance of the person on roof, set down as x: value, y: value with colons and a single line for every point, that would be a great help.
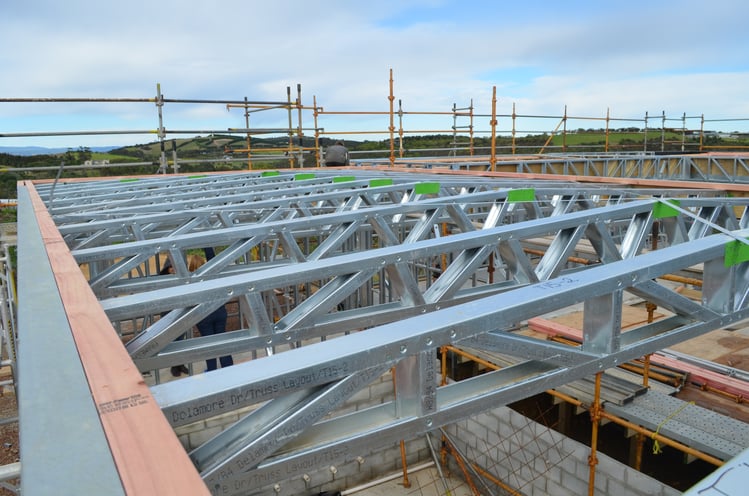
x: 215, y: 323
x: 336, y: 155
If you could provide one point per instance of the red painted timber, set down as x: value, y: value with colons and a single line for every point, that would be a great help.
x: 148, y: 455
x: 697, y: 375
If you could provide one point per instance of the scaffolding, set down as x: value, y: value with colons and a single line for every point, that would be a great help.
x: 502, y: 133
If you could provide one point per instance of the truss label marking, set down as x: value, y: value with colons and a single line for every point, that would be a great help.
x: 557, y: 283
x: 269, y: 173
x: 198, y: 411
x: 119, y: 404
x: 250, y: 459
x: 343, y: 179
x: 303, y: 176
x: 253, y: 480
x: 251, y: 395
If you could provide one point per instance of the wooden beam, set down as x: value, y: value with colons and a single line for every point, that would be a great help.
x: 149, y: 457
x: 552, y: 328
x: 696, y: 374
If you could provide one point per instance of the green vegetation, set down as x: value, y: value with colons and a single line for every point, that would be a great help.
x: 226, y: 152
x: 112, y: 157
x: 7, y: 214
x: 624, y: 139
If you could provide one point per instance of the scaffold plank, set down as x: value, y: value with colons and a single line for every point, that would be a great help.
x: 700, y: 428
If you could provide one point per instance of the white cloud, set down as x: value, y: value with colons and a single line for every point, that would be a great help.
x: 633, y: 57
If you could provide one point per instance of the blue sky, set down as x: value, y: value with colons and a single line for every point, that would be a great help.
x: 628, y: 58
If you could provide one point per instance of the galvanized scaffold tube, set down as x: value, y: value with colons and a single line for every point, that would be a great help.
x: 391, y: 128
x: 493, y: 158
x: 161, y: 133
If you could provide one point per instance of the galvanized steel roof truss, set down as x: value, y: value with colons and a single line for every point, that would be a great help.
x: 340, y: 278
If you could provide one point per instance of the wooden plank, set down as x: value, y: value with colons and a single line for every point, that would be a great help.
x: 703, y: 377
x: 697, y: 375
x: 553, y: 328
x: 625, y: 181
x: 738, y: 359
x: 631, y: 317
x: 149, y: 457
x: 59, y: 412
x: 713, y: 345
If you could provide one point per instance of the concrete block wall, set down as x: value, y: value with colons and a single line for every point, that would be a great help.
x: 362, y: 468
x: 524, y: 454
x: 193, y: 435
x: 538, y: 461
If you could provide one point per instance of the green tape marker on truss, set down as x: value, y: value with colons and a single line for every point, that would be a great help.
x: 663, y: 209
x: 374, y: 183
x: 735, y: 253
x: 521, y: 195
x: 427, y: 188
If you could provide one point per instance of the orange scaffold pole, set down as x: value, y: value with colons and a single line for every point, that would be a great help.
x: 595, y: 419
x: 404, y: 464
x: 604, y: 414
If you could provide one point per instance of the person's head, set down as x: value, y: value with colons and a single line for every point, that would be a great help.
x: 167, y: 268
x: 339, y: 143
x: 194, y: 262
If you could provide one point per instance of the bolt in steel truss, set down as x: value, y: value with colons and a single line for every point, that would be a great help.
x: 339, y: 278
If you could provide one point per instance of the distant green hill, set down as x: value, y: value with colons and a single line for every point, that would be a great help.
x: 209, y: 146
x: 227, y: 152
